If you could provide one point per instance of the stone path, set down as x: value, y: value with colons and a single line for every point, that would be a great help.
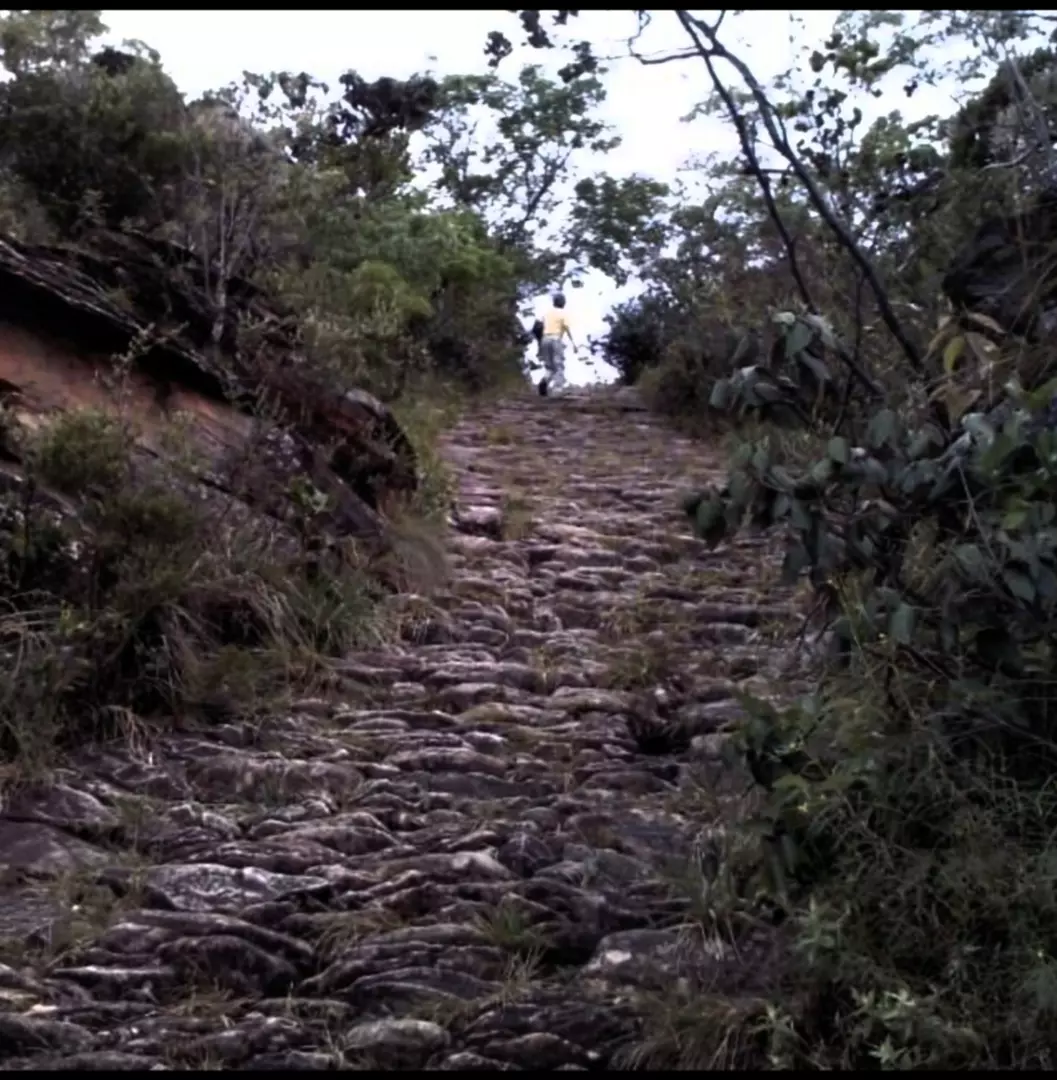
x: 484, y: 857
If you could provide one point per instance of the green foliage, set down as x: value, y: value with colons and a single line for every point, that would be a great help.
x: 128, y: 595
x: 518, y: 180
x: 902, y: 838
x: 904, y: 832
x: 131, y: 597
x: 93, y: 145
x: 36, y: 40
x: 276, y: 182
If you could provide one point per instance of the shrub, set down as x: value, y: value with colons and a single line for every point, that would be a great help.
x: 127, y: 592
x: 905, y: 833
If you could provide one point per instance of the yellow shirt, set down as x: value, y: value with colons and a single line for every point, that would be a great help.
x: 555, y: 323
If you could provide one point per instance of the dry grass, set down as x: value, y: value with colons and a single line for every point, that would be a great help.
x: 506, y: 927
x: 517, y: 515
x: 83, y: 911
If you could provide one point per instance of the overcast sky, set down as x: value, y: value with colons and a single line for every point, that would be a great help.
x: 203, y: 50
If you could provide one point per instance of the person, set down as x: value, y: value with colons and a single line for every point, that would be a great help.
x: 552, y: 345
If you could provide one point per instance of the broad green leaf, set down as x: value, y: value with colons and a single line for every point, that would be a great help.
x: 821, y: 471
x: 986, y: 321
x: 721, y: 395
x: 1020, y: 586
x: 838, y: 450
x: 982, y: 348
x: 971, y: 561
x: 744, y: 344
x: 872, y: 471
x: 959, y: 401
x: 1042, y: 396
x: 1046, y: 583
x: 710, y: 522
x: 901, y: 624
x: 952, y: 352
x: 815, y: 366
x: 799, y: 515
x: 798, y: 338
x: 882, y: 429
x: 795, y: 562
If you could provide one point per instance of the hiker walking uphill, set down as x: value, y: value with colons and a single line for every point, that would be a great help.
x: 552, y: 345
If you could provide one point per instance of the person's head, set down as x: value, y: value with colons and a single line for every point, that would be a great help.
x: 558, y: 299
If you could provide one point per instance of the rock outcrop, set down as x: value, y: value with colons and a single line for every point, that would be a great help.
x: 484, y: 850
x: 246, y: 400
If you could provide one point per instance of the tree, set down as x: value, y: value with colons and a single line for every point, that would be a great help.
x: 523, y: 175
x: 91, y: 141
x: 35, y: 41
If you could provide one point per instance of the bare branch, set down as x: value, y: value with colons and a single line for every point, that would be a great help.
x: 788, y: 242
x: 714, y: 49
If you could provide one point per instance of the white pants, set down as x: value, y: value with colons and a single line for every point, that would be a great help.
x: 552, y: 356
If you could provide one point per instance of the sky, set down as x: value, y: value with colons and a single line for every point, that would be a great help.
x: 204, y: 50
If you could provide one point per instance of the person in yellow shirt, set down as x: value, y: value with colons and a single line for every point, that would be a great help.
x: 552, y: 345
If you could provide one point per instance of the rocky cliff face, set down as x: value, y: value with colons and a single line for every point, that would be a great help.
x: 257, y: 421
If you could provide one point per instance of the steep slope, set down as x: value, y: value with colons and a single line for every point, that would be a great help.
x: 480, y: 853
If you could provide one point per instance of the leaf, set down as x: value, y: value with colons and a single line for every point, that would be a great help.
x: 721, y: 395
x: 744, y: 344
x: 971, y: 562
x: 815, y: 366
x: 871, y: 471
x: 1020, y: 586
x: 710, y: 522
x: 958, y: 401
x: 767, y: 392
x: 983, y: 348
x: 1046, y: 583
x: 985, y: 321
x: 1041, y: 396
x: 952, y: 352
x: 690, y: 502
x: 822, y: 471
x: 819, y: 323
x: 798, y: 339
x: 740, y: 489
x: 901, y: 624
x: 937, y: 340
x: 882, y: 429
x: 920, y: 444
x: 799, y: 515
x: 838, y: 450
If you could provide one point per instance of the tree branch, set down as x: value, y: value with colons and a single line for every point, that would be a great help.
x: 763, y: 179
x: 714, y: 49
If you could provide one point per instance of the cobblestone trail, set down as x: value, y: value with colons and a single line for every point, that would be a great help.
x: 470, y: 858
